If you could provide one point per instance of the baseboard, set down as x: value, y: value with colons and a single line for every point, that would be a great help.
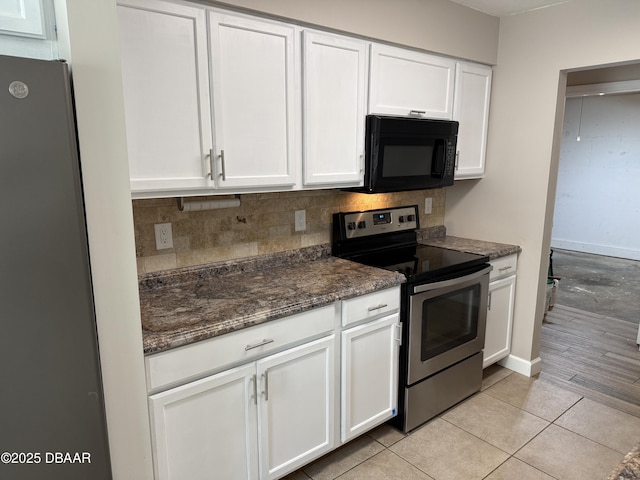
x: 606, y: 250
x: 519, y: 365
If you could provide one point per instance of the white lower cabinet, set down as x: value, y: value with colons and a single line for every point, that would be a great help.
x: 207, y: 428
x: 276, y: 393
x: 369, y: 375
x: 502, y: 288
x: 296, y: 406
x: 218, y: 427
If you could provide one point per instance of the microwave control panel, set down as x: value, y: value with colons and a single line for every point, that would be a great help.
x: 450, y: 159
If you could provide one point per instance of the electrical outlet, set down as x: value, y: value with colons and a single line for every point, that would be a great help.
x: 428, y: 205
x: 164, y: 237
x: 301, y: 220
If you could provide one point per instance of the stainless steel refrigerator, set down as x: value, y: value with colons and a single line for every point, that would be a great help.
x: 52, y: 421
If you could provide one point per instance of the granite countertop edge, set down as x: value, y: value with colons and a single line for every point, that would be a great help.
x: 186, y: 305
x: 493, y: 250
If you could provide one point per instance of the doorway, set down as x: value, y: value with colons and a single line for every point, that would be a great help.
x: 596, y: 227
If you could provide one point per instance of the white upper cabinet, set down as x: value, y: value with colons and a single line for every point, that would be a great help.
x: 165, y: 77
x: 24, y: 18
x: 28, y: 29
x: 255, y: 101
x: 222, y: 102
x: 405, y: 82
x: 471, y: 109
x: 334, y: 102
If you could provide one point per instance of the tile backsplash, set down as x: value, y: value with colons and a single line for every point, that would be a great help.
x: 263, y: 223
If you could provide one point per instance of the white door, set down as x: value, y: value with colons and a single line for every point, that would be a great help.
x: 296, y: 407
x: 370, y: 356
x: 207, y: 426
x: 497, y: 343
x: 471, y: 109
x: 254, y: 101
x: 405, y: 82
x: 334, y: 90
x: 165, y: 76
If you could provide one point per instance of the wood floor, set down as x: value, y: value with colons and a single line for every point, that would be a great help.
x: 592, y: 355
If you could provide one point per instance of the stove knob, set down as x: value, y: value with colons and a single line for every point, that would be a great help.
x: 411, y: 218
x: 351, y: 226
x: 401, y: 218
x: 362, y: 224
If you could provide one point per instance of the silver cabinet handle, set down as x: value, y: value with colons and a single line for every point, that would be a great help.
x: 265, y: 375
x: 254, y: 380
x: 223, y: 173
x: 457, y: 159
x: 399, y: 339
x: 266, y: 341
x: 417, y: 112
x: 489, y: 302
x: 377, y: 307
x: 211, y: 158
x: 504, y: 269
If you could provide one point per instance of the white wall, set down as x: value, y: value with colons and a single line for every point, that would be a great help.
x: 514, y: 202
x: 87, y: 32
x: 597, y: 206
x: 436, y: 25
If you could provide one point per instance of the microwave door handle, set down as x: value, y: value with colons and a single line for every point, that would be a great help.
x: 437, y: 165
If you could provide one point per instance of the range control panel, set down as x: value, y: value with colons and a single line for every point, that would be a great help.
x: 377, y: 222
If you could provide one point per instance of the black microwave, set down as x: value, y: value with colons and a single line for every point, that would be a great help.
x: 405, y: 153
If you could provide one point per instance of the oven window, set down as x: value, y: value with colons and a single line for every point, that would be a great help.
x: 449, y: 320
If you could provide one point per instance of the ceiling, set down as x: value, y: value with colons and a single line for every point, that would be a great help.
x: 503, y: 8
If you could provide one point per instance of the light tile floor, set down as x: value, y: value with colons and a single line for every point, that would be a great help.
x: 516, y: 428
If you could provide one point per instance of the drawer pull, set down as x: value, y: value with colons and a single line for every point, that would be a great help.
x: 378, y: 307
x: 266, y: 341
x: 504, y: 269
x: 417, y: 112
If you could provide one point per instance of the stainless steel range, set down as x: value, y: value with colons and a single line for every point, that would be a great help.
x: 443, y: 309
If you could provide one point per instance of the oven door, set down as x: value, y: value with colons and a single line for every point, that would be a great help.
x: 447, y: 322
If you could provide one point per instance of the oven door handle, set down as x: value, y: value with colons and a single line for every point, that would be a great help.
x: 451, y: 282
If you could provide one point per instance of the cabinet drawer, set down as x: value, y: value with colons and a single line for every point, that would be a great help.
x: 504, y: 266
x: 192, y: 361
x: 370, y: 306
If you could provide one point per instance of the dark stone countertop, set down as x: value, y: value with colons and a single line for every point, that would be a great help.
x: 492, y: 249
x: 629, y: 468
x: 183, y: 306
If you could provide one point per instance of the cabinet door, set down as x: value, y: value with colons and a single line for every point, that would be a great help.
x: 334, y: 88
x: 497, y: 343
x: 254, y: 101
x: 207, y: 428
x: 369, y: 375
x: 471, y: 109
x: 405, y: 82
x: 296, y: 407
x: 24, y: 18
x: 165, y: 78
